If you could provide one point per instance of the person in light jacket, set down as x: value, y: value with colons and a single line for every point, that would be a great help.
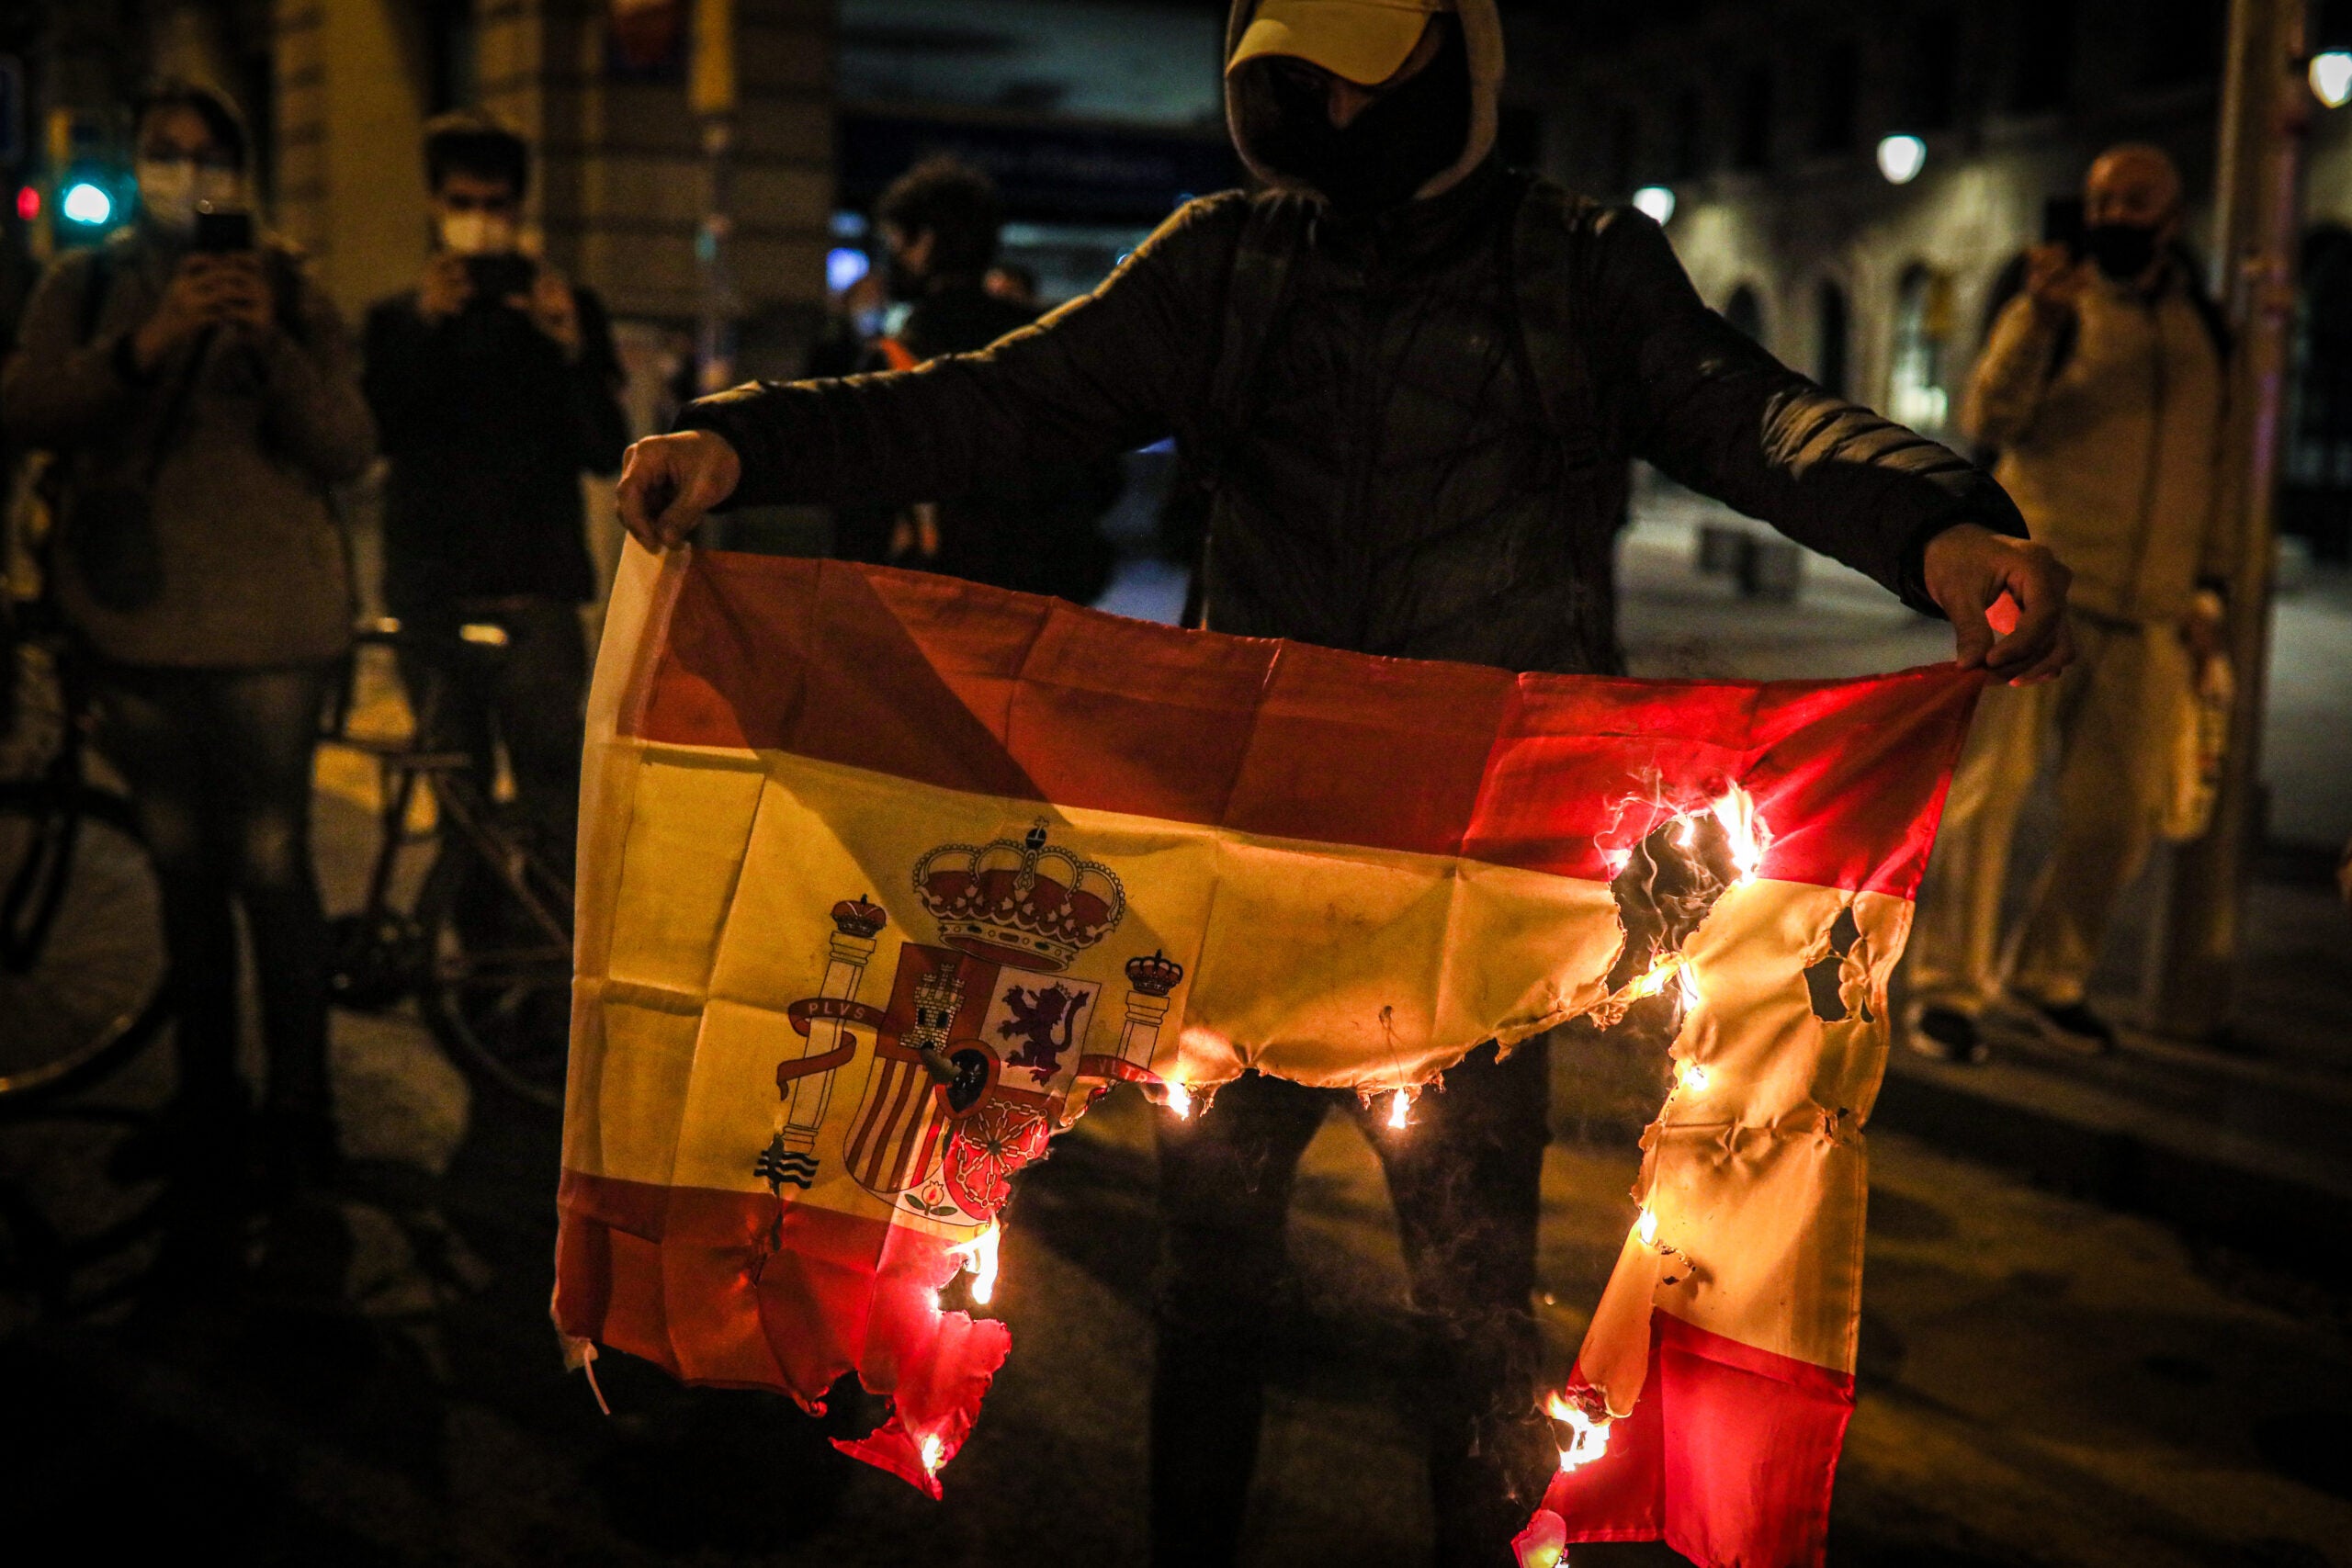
x: 199, y: 402
x: 2102, y: 386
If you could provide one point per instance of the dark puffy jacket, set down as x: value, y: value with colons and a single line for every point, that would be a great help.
x: 1397, y: 489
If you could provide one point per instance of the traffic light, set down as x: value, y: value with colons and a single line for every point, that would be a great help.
x: 90, y: 191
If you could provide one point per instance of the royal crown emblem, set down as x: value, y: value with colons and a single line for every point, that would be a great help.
x: 1020, y: 902
x: 1156, y: 976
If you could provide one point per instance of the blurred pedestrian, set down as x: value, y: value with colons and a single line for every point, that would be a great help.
x: 845, y: 344
x: 2102, y: 386
x: 198, y: 392
x: 1368, y: 364
x: 940, y: 224
x: 496, y: 385
x: 1015, y: 283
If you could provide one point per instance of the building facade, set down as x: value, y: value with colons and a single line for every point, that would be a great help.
x: 1765, y: 121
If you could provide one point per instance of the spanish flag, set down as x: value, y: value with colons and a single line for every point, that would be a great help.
x: 885, y: 878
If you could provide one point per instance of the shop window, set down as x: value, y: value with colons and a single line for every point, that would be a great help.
x: 1916, y: 395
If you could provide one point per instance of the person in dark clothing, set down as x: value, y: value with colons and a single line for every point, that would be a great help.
x: 199, y: 403
x: 1412, y: 380
x: 495, y: 385
x: 940, y: 222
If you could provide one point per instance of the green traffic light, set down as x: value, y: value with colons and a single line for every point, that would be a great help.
x: 86, y: 203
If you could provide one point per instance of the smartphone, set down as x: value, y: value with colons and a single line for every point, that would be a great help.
x: 2061, y: 223
x: 497, y: 277
x: 221, y: 231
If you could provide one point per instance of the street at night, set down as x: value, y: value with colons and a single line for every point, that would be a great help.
x: 2043, y: 1379
x: 1191, y: 784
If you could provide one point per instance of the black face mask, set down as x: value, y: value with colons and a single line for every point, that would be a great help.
x: 1391, y: 150
x: 2124, y: 251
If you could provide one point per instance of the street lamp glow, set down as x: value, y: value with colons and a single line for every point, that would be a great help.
x: 1656, y: 202
x: 1900, y: 158
x: 2332, y: 77
x: 86, y: 203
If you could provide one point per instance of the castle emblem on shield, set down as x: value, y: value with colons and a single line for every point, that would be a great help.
x: 982, y: 1040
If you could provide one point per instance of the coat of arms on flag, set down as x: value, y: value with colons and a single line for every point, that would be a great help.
x: 885, y: 878
x: 981, y: 1042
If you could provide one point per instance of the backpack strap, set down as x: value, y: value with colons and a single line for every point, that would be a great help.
x: 1546, y: 258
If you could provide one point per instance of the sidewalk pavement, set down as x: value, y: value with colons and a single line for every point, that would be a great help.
x: 2241, y: 1143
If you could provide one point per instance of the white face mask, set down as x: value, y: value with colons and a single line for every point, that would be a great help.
x: 171, y: 189
x: 478, y: 233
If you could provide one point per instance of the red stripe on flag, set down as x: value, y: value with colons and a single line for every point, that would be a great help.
x: 1728, y: 1455
x: 738, y: 1290
x: 970, y: 688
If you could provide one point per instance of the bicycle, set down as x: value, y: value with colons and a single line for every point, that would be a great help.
x: 486, y: 945
x: 82, y: 955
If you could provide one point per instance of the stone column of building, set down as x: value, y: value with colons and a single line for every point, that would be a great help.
x: 350, y: 98
x: 622, y: 184
x: 619, y: 189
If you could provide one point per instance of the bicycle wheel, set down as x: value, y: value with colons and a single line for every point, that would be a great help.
x: 82, y: 957
x: 497, y: 990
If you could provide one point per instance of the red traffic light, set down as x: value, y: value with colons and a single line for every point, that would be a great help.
x: 28, y: 202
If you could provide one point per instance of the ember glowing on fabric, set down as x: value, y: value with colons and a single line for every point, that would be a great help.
x: 884, y: 877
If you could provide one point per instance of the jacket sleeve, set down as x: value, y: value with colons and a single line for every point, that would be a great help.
x: 1108, y: 371
x: 59, y: 391
x: 2006, y: 391
x: 316, y: 413
x: 1718, y: 414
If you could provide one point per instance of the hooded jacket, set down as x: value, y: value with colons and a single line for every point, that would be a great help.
x: 2113, y: 449
x: 1397, y: 488
x: 247, y: 559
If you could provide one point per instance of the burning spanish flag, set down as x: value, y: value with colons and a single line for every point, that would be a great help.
x: 884, y: 877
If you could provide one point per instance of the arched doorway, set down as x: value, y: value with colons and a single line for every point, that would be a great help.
x: 1916, y: 395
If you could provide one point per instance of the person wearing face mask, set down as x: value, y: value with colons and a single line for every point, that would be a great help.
x: 939, y: 221
x: 1411, y: 382
x: 2101, y: 383
x: 199, y: 402
x: 496, y: 385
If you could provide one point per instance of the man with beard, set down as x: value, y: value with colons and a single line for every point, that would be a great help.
x: 1412, y: 380
x: 2101, y: 383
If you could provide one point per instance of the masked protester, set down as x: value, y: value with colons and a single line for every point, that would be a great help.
x: 496, y: 385
x: 940, y: 222
x: 196, y: 390
x: 2101, y: 383
x: 1411, y: 380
